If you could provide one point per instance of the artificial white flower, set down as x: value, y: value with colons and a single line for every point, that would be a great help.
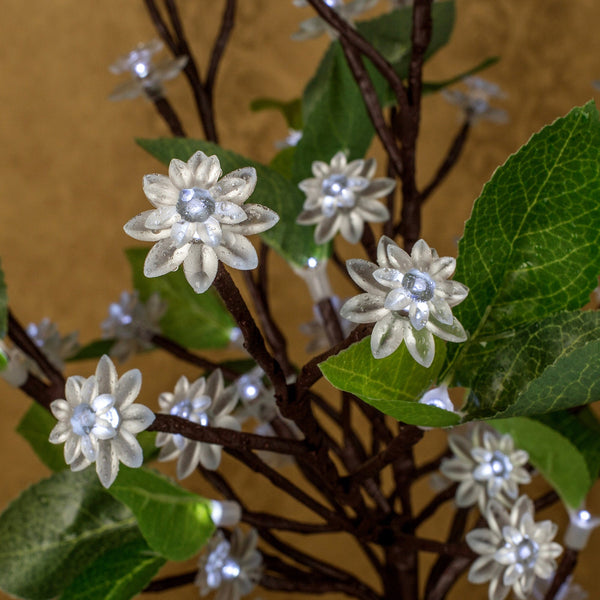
x: 147, y: 77
x: 341, y: 197
x: 233, y: 568
x: 98, y: 421
x: 409, y: 298
x: 291, y: 140
x: 206, y: 402
x: 487, y: 466
x: 475, y: 102
x: 17, y: 365
x: 199, y: 220
x: 56, y: 348
x: 513, y: 551
x: 131, y: 323
x: 315, y: 26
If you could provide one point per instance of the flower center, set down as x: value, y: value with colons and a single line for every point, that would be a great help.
x: 501, y: 465
x: 84, y: 419
x: 186, y: 410
x: 527, y: 552
x: 195, y: 205
x: 230, y: 569
x: 336, y: 194
x: 419, y: 285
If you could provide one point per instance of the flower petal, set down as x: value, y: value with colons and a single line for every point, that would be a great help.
x: 351, y: 226
x: 206, y: 170
x: 136, y: 228
x: 127, y: 449
x: 450, y: 333
x: 421, y: 255
x: 388, y: 335
x: 237, y: 252
x: 60, y: 433
x: 200, y: 267
x: 442, y: 268
x: 136, y: 418
x: 60, y: 409
x: 454, y: 292
x: 127, y: 388
x: 361, y: 271
x: 483, y: 569
x: 327, y: 228
x: 162, y: 218
x: 159, y: 190
x: 180, y: 174
x: 364, y: 308
x: 259, y: 219
x: 236, y: 186
x: 372, y: 210
x: 106, y: 375
x: 420, y: 344
x: 164, y: 257
x: 229, y: 213
x: 210, y: 456
x: 107, y: 463
x: 188, y: 460
x: 482, y: 541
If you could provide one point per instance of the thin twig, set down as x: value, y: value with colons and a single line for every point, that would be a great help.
x: 565, y: 568
x: 167, y: 112
x: 227, y: 24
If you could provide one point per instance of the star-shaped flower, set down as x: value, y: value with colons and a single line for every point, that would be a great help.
x: 475, y: 102
x: 206, y: 402
x: 147, y: 77
x: 56, y: 348
x: 131, y: 323
x: 199, y: 220
x: 513, y: 551
x: 487, y: 466
x: 315, y: 26
x: 341, y: 197
x: 98, y: 421
x: 231, y: 567
x: 409, y: 298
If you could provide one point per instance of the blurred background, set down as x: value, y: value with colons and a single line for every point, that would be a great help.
x: 71, y: 172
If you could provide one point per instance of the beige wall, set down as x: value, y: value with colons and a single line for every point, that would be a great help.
x: 71, y: 174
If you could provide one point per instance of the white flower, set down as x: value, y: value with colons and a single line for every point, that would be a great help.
x: 514, y: 550
x: 438, y: 397
x: 409, y: 297
x: 17, y: 367
x: 341, y: 197
x: 55, y: 347
x: 131, y: 323
x: 233, y: 568
x: 147, y: 77
x: 291, y: 140
x: 315, y: 26
x: 199, y: 220
x: 206, y: 402
x: 475, y: 103
x: 98, y: 421
x: 487, y: 466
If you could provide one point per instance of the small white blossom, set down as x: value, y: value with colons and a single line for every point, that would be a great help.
x: 233, y: 568
x: 56, y: 348
x: 315, y: 26
x: 17, y: 363
x: 342, y: 197
x: 131, y: 323
x: 487, y: 466
x: 147, y: 77
x: 513, y: 551
x: 98, y: 421
x: 291, y: 140
x: 206, y: 402
x: 199, y: 220
x: 475, y: 102
x: 409, y: 298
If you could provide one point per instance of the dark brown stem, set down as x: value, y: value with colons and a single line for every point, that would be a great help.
x: 268, y: 521
x: 330, y: 320
x: 447, y: 578
x: 167, y: 583
x: 548, y: 499
x: 167, y: 112
x: 19, y: 337
x: 430, y: 509
x: 432, y: 465
x: 318, y: 586
x: 565, y: 568
x: 227, y: 24
x: 199, y: 361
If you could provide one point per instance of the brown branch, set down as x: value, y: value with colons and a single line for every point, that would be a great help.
x: 182, y: 353
x: 447, y: 578
x: 548, y: 499
x: 167, y: 583
x: 227, y: 24
x: 318, y: 586
x: 565, y: 568
x: 167, y: 112
x: 430, y: 509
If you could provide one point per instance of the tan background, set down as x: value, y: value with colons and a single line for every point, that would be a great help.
x: 70, y: 173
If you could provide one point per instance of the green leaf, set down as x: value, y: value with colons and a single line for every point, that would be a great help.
x: 530, y: 248
x: 175, y: 523
x: 193, y: 320
x: 3, y: 314
x: 543, y: 367
x: 430, y: 87
x: 55, y: 529
x: 119, y: 574
x: 553, y: 454
x: 294, y: 242
x: 392, y: 385
x: 334, y: 114
x: 94, y: 349
x: 35, y: 427
x: 283, y: 162
x: 291, y: 110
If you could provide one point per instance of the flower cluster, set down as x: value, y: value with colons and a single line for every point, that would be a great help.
x: 342, y: 197
x: 513, y: 551
x: 147, y: 77
x: 200, y: 219
x: 206, y: 402
x: 98, y: 421
x: 131, y: 323
x: 409, y: 298
x: 487, y: 466
x: 315, y: 26
x: 232, y: 567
